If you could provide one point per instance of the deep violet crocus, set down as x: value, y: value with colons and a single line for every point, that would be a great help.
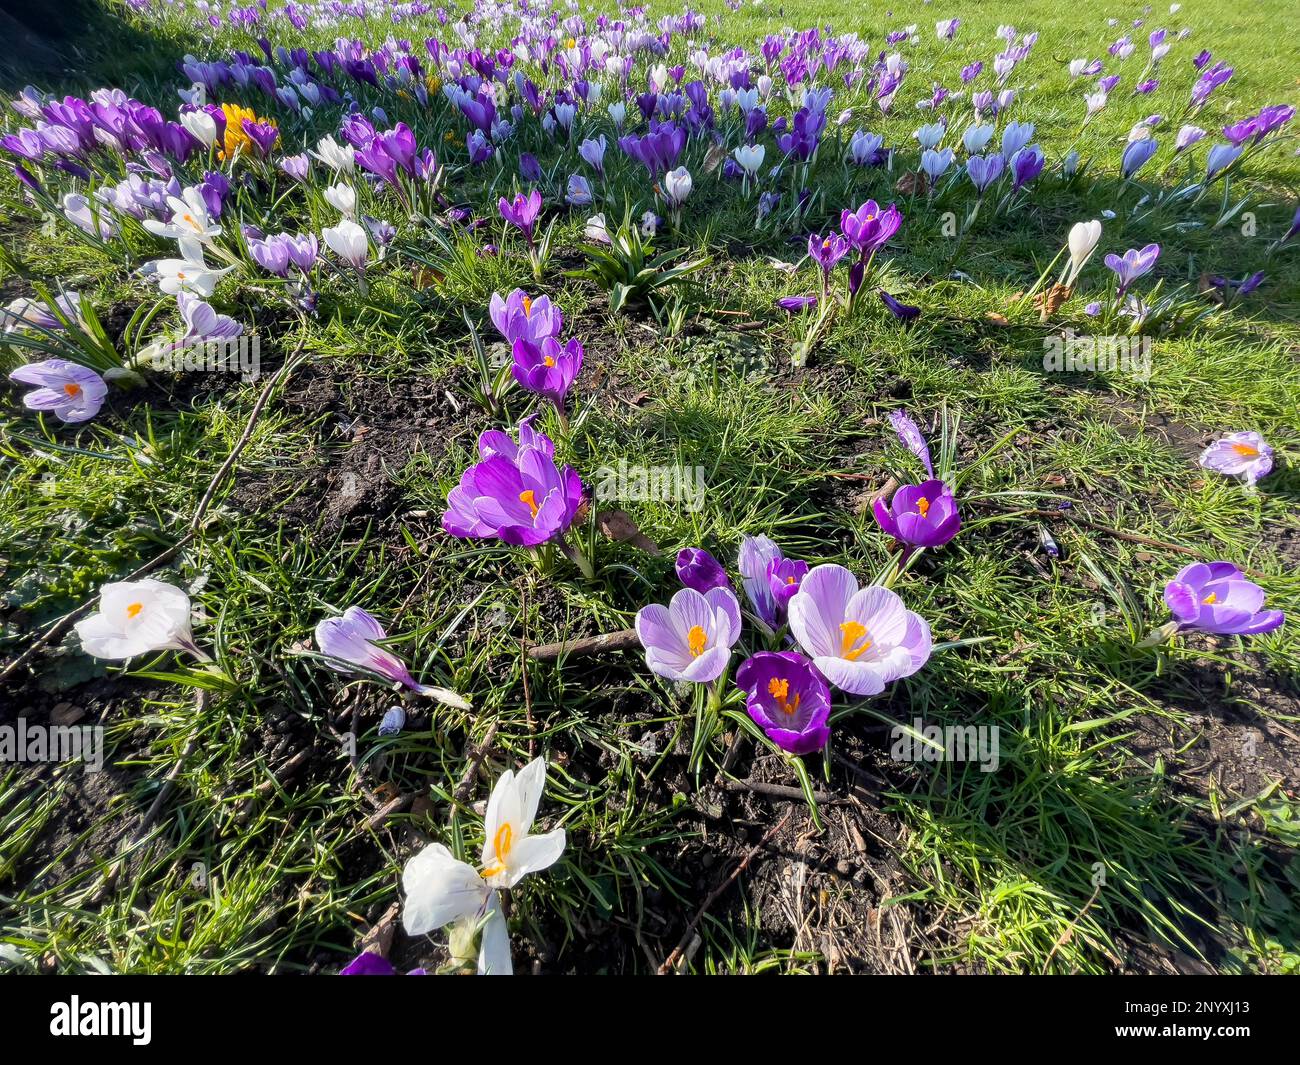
x: 1244, y: 455
x: 869, y: 227
x: 920, y: 515
x: 698, y: 569
x: 547, y: 368
x: 1215, y: 597
x: 787, y: 699
x: 691, y: 638
x: 352, y: 642
x: 904, y: 312
x: 514, y: 493
x: 859, y: 639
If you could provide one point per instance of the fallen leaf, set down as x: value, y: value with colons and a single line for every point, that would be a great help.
x: 619, y: 527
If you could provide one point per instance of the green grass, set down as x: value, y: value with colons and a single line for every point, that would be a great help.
x: 1102, y: 834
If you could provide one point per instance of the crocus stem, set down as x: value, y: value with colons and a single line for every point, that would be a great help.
x: 575, y: 556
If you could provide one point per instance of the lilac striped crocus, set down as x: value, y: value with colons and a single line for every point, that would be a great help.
x: 1244, y: 455
x: 351, y: 641
x: 1132, y: 265
x: 514, y: 493
x: 983, y: 171
x: 859, y: 639
x: 71, y: 392
x: 1216, y: 597
x: 691, y: 638
x: 787, y: 699
x: 757, y: 555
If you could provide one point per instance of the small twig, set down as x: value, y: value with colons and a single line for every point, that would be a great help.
x: 587, y: 645
x: 777, y: 791
x: 1069, y: 931
x: 476, y: 757
x: 684, y: 942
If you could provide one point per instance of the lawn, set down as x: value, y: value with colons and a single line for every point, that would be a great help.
x: 1037, y: 744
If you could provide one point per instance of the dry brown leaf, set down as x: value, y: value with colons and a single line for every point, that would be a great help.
x: 997, y: 319
x: 619, y: 526
x: 1050, y: 300
x: 910, y: 183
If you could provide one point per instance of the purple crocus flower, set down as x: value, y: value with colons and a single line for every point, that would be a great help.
x: 698, y: 569
x: 794, y: 304
x: 911, y: 438
x: 1133, y: 264
x: 1136, y: 155
x: 869, y: 227
x: 71, y: 392
x: 520, y: 317
x: 860, y: 640
x: 1216, y: 597
x: 529, y: 168
x: 1243, y: 455
x: 787, y: 699
x: 1219, y: 158
x: 658, y: 150
x: 514, y: 493
x: 1026, y: 165
x: 547, y: 368
x: 827, y: 251
x: 984, y: 171
x: 784, y: 576
x: 368, y: 963
x: 522, y: 212
x: 690, y: 638
x: 904, y: 312
x: 920, y: 515
x: 352, y: 642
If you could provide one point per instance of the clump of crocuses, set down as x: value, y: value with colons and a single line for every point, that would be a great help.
x: 918, y: 515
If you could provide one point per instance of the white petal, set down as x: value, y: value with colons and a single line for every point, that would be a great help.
x: 439, y: 889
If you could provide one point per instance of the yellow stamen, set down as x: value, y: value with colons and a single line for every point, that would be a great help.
x: 697, y: 640
x: 530, y: 497
x: 72, y: 388
x: 501, y: 844
x: 1245, y: 450
x: 134, y: 609
x: 528, y: 306
x: 549, y: 361
x: 189, y: 219
x: 923, y: 506
x: 789, y: 580
x: 779, y: 690
x: 854, y: 642
x: 1211, y: 599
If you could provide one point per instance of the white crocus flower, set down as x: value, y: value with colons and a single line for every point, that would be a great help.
x: 201, y: 126
x: 595, y: 230
x: 188, y: 274
x: 190, y: 221
x: 442, y: 890
x: 347, y: 240
x: 509, y: 852
x: 677, y: 186
x: 136, y: 617
x: 338, y: 157
x: 1084, y: 237
x: 750, y: 157
x: 617, y: 113
x: 343, y: 198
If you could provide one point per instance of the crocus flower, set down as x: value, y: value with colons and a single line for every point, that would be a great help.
x: 911, y: 438
x: 1083, y: 241
x: 858, y: 639
x: 547, y: 368
x: 188, y: 275
x: 341, y: 158
x: 79, y: 211
x: 827, y: 251
x: 750, y: 157
x: 757, y: 553
x: 1026, y: 165
x: 1243, y: 455
x: 677, y: 185
x: 351, y: 641
x: 441, y: 890
x: 690, y: 638
x: 1132, y: 265
x: 343, y: 198
x: 787, y: 699
x: 904, y: 312
x: 921, y: 515
x: 520, y: 317
x: 348, y: 241
x: 1216, y: 597
x: 1136, y: 155
x: 1219, y: 158
x: 869, y: 227
x: 935, y: 163
x: 784, y: 575
x: 984, y: 171
x: 72, y: 393
x: 514, y: 493
x: 794, y: 304
x: 522, y: 211
x: 137, y: 617
x: 368, y: 963
x: 698, y: 569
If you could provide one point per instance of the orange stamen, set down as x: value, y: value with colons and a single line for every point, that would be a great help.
x: 854, y: 642
x: 697, y: 640
x: 530, y: 497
